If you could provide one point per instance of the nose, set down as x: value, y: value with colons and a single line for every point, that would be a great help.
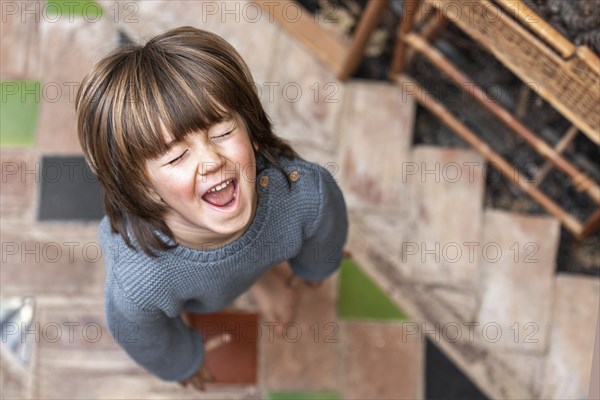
x: 210, y: 161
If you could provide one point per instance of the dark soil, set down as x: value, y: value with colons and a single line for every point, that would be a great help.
x: 579, y: 21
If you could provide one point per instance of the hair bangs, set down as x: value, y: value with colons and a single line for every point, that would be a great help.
x: 173, y: 103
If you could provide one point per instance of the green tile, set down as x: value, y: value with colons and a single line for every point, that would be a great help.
x: 360, y: 298
x: 19, y: 106
x: 88, y: 9
x: 304, y: 396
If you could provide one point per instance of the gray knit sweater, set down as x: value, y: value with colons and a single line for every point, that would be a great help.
x: 144, y: 296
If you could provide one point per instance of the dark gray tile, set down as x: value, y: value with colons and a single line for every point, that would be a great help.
x: 443, y: 380
x: 69, y: 190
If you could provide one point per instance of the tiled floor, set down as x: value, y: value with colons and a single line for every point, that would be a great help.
x: 350, y: 339
x: 343, y: 336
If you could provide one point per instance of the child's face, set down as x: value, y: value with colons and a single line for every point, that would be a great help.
x: 204, y: 160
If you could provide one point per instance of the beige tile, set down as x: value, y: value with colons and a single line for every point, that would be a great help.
x: 14, y: 377
x: 20, y: 177
x: 376, y: 128
x: 19, y: 47
x: 377, y: 363
x: 447, y: 186
x: 68, y: 50
x: 304, y: 357
x: 75, y: 343
x: 568, y: 367
x: 143, y: 19
x: 51, y: 260
x: 518, y: 277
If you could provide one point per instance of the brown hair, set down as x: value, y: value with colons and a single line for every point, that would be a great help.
x: 188, y: 80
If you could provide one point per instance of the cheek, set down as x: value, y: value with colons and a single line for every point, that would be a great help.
x: 243, y: 152
x: 176, y: 187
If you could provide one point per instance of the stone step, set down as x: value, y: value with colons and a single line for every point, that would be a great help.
x: 249, y: 31
x: 376, y: 129
x: 446, y: 196
x: 517, y: 277
x: 443, y: 313
x: 568, y: 365
x: 303, y: 97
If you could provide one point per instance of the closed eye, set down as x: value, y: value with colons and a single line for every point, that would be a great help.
x: 173, y: 161
x: 222, y: 136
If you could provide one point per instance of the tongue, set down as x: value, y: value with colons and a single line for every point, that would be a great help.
x: 220, y: 197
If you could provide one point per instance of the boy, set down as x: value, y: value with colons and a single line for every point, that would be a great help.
x: 202, y: 199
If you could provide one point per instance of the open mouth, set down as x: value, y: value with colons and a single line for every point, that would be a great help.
x: 223, y: 194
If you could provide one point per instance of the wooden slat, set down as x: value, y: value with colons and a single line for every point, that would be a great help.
x: 538, y: 25
x: 580, y: 179
x: 572, y: 86
x: 406, y: 25
x: 559, y: 148
x: 591, y: 225
x: 295, y: 19
x: 366, y: 26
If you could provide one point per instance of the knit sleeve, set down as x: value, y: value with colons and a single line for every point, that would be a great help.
x: 323, y: 247
x: 162, y: 345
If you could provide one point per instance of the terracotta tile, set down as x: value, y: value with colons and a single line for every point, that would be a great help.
x: 371, y: 167
x: 447, y: 189
x: 304, y: 357
x: 377, y: 363
x: 518, y: 277
x: 234, y: 362
x: 569, y: 362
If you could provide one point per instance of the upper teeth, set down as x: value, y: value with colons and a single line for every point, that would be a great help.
x: 221, y: 186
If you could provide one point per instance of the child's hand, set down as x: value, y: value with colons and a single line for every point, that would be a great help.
x: 203, y: 374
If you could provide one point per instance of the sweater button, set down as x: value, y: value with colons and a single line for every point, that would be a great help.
x: 294, y: 175
x: 264, y: 181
